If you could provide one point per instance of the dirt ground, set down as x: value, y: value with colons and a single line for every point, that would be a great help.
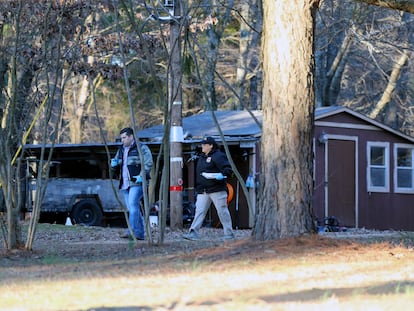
x: 309, y: 272
x: 80, y: 243
x: 97, y: 243
x: 100, y: 243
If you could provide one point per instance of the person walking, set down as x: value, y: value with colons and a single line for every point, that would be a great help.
x: 128, y: 164
x: 211, y: 170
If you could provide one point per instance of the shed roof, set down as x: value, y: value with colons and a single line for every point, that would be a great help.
x: 324, y: 112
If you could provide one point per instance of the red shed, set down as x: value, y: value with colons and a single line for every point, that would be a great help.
x: 363, y: 171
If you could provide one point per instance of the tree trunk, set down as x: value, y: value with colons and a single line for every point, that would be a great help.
x: 255, y: 81
x: 285, y: 203
x: 247, y: 73
x: 334, y: 75
x: 79, y: 109
x: 241, y: 72
x: 392, y: 82
x: 213, y: 38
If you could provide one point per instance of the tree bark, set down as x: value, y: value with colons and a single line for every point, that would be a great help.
x: 284, y: 207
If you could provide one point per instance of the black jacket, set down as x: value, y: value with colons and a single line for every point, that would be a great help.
x: 215, y: 162
x: 134, y: 162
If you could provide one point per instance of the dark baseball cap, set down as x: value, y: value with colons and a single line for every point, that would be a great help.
x: 209, y: 140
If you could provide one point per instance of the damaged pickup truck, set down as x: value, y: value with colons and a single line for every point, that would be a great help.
x: 79, y: 184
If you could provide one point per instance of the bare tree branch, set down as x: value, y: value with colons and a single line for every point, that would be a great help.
x: 401, y: 5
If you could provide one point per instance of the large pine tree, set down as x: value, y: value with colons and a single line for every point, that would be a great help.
x: 285, y: 202
x: 284, y: 207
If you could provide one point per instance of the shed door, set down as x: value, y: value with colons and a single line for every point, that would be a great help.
x: 341, y: 181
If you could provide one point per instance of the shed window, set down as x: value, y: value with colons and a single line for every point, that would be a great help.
x: 378, y: 167
x: 403, y: 174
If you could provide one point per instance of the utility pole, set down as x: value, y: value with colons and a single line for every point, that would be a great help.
x: 176, y: 129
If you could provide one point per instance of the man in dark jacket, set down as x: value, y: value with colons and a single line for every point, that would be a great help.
x: 128, y: 162
x: 212, y: 169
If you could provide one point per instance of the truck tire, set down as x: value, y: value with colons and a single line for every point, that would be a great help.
x: 87, y: 212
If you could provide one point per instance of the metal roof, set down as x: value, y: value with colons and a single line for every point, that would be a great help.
x: 235, y: 123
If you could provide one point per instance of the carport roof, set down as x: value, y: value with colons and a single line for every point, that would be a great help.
x: 238, y: 124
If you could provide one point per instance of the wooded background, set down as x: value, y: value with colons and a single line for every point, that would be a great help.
x: 64, y: 48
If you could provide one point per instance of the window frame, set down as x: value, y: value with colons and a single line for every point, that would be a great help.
x: 396, y: 167
x: 386, y: 146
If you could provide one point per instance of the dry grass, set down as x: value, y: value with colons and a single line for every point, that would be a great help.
x: 307, y: 273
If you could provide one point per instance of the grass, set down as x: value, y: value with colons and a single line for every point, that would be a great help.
x: 305, y: 274
x: 200, y: 291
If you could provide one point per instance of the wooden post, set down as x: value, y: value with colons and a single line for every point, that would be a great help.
x: 176, y: 130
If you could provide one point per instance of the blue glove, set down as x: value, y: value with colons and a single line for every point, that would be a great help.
x: 114, y: 162
x: 138, y: 179
x: 220, y: 176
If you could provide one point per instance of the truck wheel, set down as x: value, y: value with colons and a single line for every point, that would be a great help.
x: 87, y: 212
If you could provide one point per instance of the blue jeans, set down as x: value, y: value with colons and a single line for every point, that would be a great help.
x: 132, y: 197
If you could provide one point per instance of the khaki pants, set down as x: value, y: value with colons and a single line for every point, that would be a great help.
x: 203, y: 203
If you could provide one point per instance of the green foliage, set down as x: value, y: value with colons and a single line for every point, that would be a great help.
x: 7, y: 30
